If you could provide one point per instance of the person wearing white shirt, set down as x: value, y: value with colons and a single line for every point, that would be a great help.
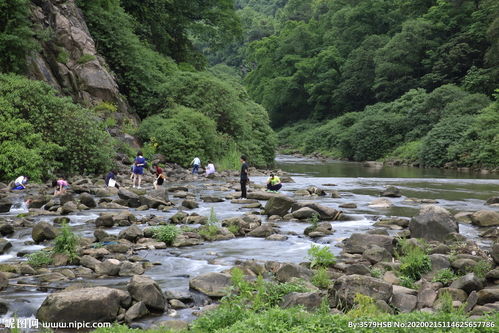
x: 196, y: 162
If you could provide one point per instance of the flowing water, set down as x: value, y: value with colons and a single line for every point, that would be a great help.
x: 354, y: 182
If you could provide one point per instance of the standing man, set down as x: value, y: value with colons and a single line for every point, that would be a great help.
x: 196, y: 162
x: 244, y: 176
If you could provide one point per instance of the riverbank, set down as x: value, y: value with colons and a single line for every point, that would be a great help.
x: 268, y: 235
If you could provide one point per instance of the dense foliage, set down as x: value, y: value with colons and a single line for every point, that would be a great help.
x: 42, y: 134
x: 190, y: 112
x: 399, y: 79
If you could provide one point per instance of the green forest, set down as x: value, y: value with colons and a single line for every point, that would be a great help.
x: 394, y: 80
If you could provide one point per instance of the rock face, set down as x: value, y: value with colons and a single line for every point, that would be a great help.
x: 211, y: 284
x: 485, y: 218
x: 69, y: 61
x: 310, y: 301
x: 99, y: 304
x: 278, y: 205
x: 433, y: 223
x: 144, y: 289
x: 347, y: 286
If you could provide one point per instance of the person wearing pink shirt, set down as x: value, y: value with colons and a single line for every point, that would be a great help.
x: 60, y: 186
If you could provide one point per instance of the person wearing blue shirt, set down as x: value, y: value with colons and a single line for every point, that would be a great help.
x: 138, y: 168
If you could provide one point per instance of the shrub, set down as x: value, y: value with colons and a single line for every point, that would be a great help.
x: 408, y: 282
x: 84, y: 146
x: 85, y: 58
x: 364, y: 307
x: 181, y: 134
x: 40, y: 258
x: 234, y: 228
x: 321, y: 278
x: 377, y: 273
x: 314, y: 220
x: 481, y: 268
x: 66, y: 242
x: 321, y: 256
x: 166, y: 233
x: 415, y: 263
x: 445, y: 276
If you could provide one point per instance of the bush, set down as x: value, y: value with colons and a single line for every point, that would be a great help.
x: 68, y: 130
x: 40, y: 258
x: 320, y: 256
x: 321, y: 278
x: 364, y: 307
x: 181, y: 135
x: 481, y: 268
x: 166, y: 233
x: 66, y: 242
x: 445, y: 276
x: 377, y: 272
x: 414, y: 262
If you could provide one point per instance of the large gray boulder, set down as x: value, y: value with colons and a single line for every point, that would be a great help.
x: 485, y: 218
x: 391, y: 192
x: 325, y: 213
x: 211, y: 284
x: 136, y: 311
x: 87, y: 200
x: 468, y: 283
x: 433, y: 223
x: 132, y: 199
x: 304, y: 213
x: 278, y: 205
x: 404, y: 302
x: 43, y: 231
x: 309, y: 301
x: 109, y: 267
x: 347, y: 286
x: 5, y: 205
x: 265, y: 230
x: 99, y: 304
x: 144, y: 289
x: 131, y: 233
x: 359, y: 243
x: 488, y: 295
x: 288, y: 271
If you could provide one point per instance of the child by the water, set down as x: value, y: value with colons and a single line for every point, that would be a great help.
x: 60, y: 186
x: 111, y: 179
x: 210, y: 168
x: 160, y: 177
x: 20, y: 183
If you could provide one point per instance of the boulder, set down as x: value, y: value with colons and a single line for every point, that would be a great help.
x: 265, y: 230
x: 348, y: 205
x: 278, y: 205
x: 488, y: 295
x: 468, y: 283
x: 211, y: 284
x: 136, y: 311
x: 132, y: 199
x: 426, y: 296
x: 391, y: 192
x: 68, y: 208
x: 4, y: 281
x: 288, y: 271
x: 144, y: 289
x: 5, y: 205
x: 89, y: 262
x: 153, y: 202
x: 456, y: 294
x: 375, y: 254
x: 325, y: 213
x: 132, y: 233
x: 485, y: 218
x: 314, y: 190
x: 190, y: 204
x: 212, y: 199
x: 494, y: 252
x: 6, y: 229
x: 492, y: 201
x: 433, y: 223
x: 5, y: 245
x: 404, y: 302
x: 357, y: 268
x: 304, y: 213
x: 87, y: 200
x: 43, y: 231
x: 109, y: 267
x: 310, y: 301
x: 346, y: 287
x: 260, y: 195
x: 98, y: 304
x: 358, y: 243
x: 131, y: 268
x: 105, y: 220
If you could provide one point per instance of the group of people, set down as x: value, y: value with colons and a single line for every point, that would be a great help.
x: 60, y: 185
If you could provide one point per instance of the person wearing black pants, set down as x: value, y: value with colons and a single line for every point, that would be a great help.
x: 244, y: 176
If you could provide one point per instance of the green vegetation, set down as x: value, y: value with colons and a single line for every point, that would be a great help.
x: 377, y: 272
x: 364, y: 307
x: 314, y: 220
x: 445, y: 276
x: 40, y: 258
x: 481, y: 268
x: 42, y: 133
x: 166, y: 233
x: 320, y: 256
x: 210, y: 230
x: 186, y: 113
x: 66, y: 242
x: 414, y: 261
x: 366, y: 81
x: 321, y: 278
x: 85, y: 58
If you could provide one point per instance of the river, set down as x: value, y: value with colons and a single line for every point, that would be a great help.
x: 355, y: 184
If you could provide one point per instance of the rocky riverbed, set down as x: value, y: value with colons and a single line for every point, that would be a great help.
x: 146, y: 282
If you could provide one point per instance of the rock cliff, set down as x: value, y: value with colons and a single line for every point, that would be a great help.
x: 68, y: 59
